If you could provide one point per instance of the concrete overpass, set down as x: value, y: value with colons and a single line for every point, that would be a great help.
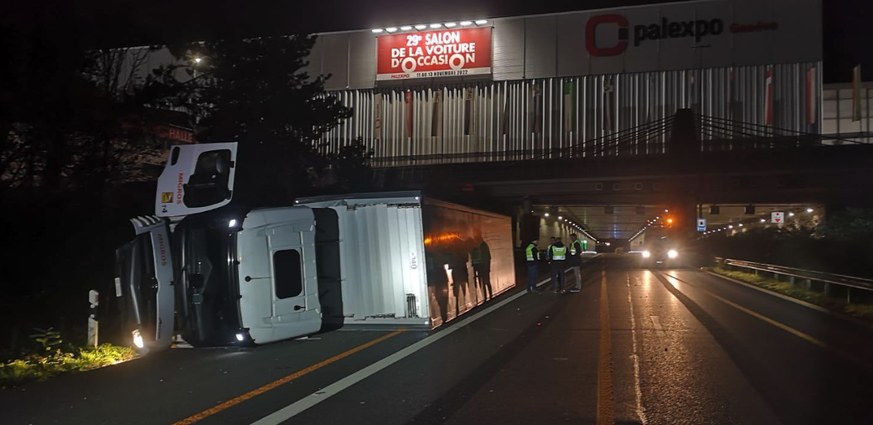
x: 703, y: 161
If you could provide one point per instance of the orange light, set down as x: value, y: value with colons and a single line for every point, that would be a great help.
x: 669, y: 221
x: 447, y: 237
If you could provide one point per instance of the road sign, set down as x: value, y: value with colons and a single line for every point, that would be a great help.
x: 777, y: 217
x: 701, y: 224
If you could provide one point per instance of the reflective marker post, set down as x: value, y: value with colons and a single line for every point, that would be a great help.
x: 94, y: 301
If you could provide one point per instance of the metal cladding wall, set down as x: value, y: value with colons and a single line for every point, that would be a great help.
x: 620, y: 68
x: 469, y: 258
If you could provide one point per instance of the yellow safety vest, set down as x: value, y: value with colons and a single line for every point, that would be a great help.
x: 559, y: 253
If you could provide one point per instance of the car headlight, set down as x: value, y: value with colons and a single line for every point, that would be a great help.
x: 137, y: 339
x: 647, y: 254
x: 672, y: 253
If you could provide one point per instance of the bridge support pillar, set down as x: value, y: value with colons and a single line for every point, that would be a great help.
x: 683, y: 141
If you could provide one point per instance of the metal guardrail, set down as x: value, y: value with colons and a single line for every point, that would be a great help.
x: 851, y: 282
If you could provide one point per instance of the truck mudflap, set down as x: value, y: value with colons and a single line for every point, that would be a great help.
x: 145, y: 277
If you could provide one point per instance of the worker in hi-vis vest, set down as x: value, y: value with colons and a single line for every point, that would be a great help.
x: 549, y: 249
x: 558, y: 254
x: 532, y: 255
x: 575, y: 261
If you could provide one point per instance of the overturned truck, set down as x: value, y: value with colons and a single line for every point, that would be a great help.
x: 217, y: 273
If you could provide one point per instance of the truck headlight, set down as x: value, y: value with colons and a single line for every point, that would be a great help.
x: 672, y: 253
x: 647, y: 254
x: 137, y: 339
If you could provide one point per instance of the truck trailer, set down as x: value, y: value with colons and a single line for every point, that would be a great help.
x: 239, y: 275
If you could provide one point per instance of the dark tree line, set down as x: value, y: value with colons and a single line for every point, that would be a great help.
x: 79, y: 151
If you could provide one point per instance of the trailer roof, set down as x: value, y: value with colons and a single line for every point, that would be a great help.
x: 398, y: 197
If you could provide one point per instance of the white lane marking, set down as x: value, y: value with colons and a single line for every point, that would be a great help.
x: 820, y: 309
x: 657, y: 325
x: 641, y: 411
x: 844, y: 354
x: 311, y: 400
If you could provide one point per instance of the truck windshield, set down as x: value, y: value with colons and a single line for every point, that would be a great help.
x: 209, y: 284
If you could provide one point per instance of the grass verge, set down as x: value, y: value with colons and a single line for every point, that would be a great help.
x: 859, y: 310
x: 39, y: 367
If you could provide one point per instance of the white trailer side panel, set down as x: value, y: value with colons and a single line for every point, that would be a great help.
x: 469, y: 258
x: 409, y: 260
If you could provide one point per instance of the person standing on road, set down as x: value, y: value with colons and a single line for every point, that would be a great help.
x: 558, y: 255
x: 575, y: 261
x: 532, y: 254
x: 549, y: 250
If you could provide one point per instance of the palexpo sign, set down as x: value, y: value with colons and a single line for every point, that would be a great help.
x: 665, y: 29
x: 445, y: 53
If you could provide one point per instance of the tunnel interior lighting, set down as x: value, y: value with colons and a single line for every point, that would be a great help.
x: 666, y: 210
x: 672, y: 253
x: 763, y: 220
x: 377, y: 30
x: 730, y: 226
x: 647, y: 254
x: 391, y: 29
x: 809, y: 210
x: 791, y: 214
x: 546, y: 214
x: 741, y: 224
x: 560, y: 218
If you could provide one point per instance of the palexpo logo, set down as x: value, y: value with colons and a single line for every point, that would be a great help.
x: 697, y: 29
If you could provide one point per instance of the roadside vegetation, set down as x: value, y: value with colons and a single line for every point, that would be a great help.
x: 862, y: 310
x: 51, y: 356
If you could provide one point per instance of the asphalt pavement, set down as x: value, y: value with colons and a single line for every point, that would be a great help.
x: 635, y: 346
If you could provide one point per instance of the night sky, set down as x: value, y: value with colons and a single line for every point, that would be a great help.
x: 127, y: 22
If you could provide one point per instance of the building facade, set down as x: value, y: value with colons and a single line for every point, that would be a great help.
x: 545, y: 85
x: 555, y: 85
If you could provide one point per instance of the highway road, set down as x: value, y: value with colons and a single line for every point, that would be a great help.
x: 635, y: 346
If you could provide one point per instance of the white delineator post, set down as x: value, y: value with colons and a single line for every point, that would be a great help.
x: 94, y: 300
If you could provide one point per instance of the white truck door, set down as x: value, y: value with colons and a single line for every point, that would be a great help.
x: 196, y: 178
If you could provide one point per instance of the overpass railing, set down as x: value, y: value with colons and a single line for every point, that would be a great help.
x: 807, y: 276
x: 720, y: 134
x: 656, y: 138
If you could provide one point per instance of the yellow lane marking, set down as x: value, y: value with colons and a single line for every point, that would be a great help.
x: 638, y: 391
x: 258, y: 391
x: 786, y: 328
x: 605, y: 411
